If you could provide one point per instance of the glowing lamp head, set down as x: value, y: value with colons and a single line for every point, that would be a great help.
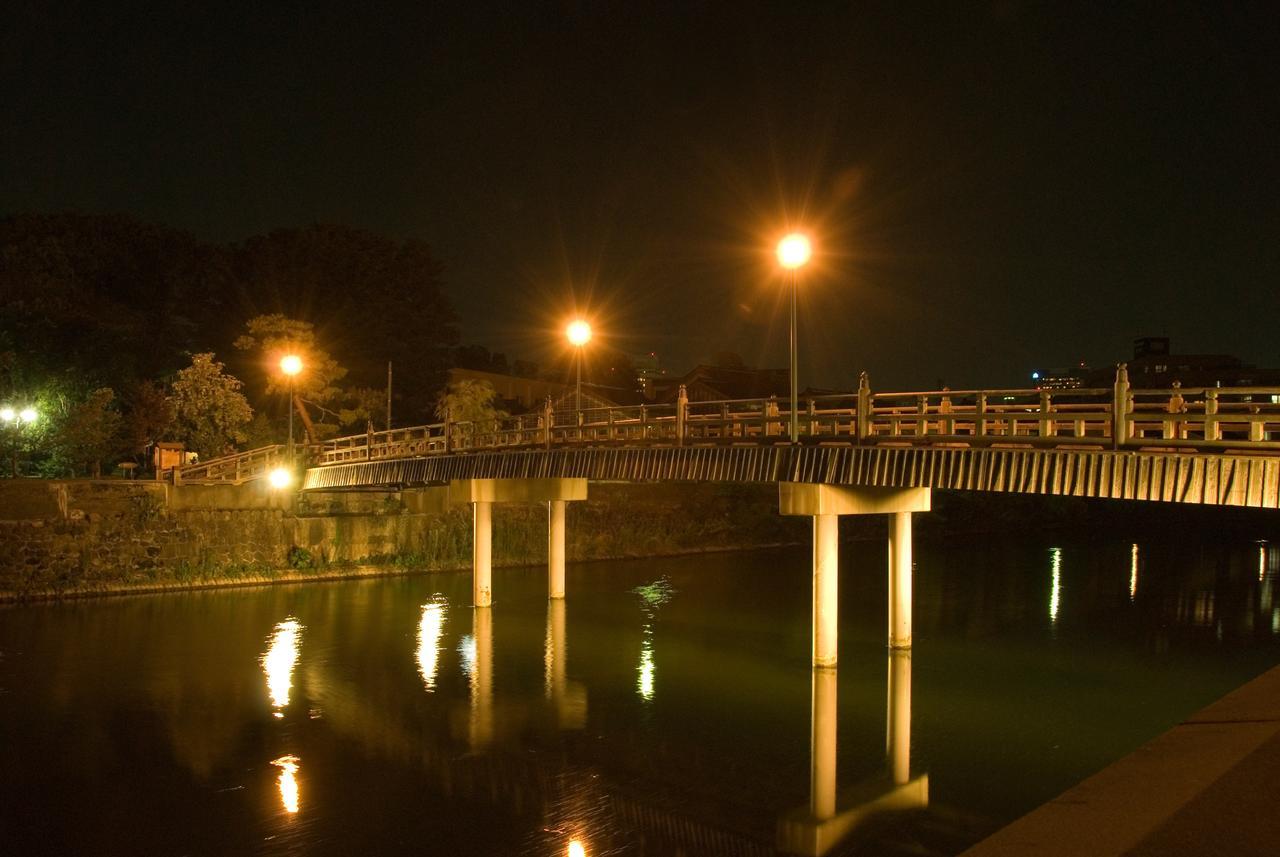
x: 576, y: 848
x: 291, y: 364
x: 794, y: 251
x: 281, y: 477
x: 8, y: 414
x: 28, y: 415
x: 579, y: 333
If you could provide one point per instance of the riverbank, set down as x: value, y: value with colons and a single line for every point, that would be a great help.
x: 1204, y: 787
x: 77, y: 538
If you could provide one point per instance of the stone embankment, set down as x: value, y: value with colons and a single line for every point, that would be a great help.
x: 61, y: 538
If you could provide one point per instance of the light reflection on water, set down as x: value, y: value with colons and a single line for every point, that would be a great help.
x: 430, y: 631
x: 505, y: 756
x: 279, y: 660
x: 288, y: 782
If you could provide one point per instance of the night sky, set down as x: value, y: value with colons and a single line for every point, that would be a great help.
x: 993, y: 187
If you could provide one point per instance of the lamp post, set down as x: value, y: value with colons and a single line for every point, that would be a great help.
x: 16, y: 419
x: 579, y: 334
x: 291, y: 365
x: 793, y: 253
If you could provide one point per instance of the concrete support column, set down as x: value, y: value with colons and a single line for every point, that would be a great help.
x: 826, y: 580
x: 900, y: 580
x: 555, y: 548
x: 898, y: 717
x: 822, y: 745
x: 482, y: 554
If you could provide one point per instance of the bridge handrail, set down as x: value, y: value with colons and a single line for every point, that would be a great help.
x: 236, y: 468
x: 1217, y: 417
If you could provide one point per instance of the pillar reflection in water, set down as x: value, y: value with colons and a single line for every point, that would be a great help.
x: 481, y: 720
x: 898, y: 717
x: 430, y: 632
x: 568, y: 699
x: 822, y: 744
x: 1133, y: 572
x: 1055, y: 591
x: 288, y: 782
x: 831, y: 815
x: 279, y: 661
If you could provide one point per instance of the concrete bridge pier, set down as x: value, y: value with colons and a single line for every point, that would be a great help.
x: 825, y: 504
x: 481, y: 494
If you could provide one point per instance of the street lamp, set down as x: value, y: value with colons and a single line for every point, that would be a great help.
x: 16, y: 419
x: 579, y: 334
x: 793, y: 253
x: 291, y: 365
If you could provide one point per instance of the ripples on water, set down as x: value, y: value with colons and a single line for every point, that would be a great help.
x: 667, y: 706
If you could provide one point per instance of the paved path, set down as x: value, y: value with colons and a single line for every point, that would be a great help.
x: 1209, y: 786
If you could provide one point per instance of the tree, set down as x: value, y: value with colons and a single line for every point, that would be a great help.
x: 148, y: 416
x: 91, y: 432
x: 470, y: 402
x: 377, y: 299
x: 273, y: 336
x: 210, y: 413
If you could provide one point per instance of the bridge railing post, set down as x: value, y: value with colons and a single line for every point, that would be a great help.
x: 1120, y: 404
x: 922, y: 408
x: 980, y: 415
x: 863, y: 414
x: 548, y: 416
x: 1212, y: 428
x: 1047, y: 426
x: 682, y: 409
x: 448, y: 431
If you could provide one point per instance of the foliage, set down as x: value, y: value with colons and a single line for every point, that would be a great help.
x: 470, y: 402
x: 210, y: 412
x: 90, y: 431
x: 375, y: 298
x: 300, y: 559
x: 147, y: 416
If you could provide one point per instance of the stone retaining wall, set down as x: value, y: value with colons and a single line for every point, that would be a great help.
x: 86, y: 536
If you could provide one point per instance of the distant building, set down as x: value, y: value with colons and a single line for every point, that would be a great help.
x: 518, y: 394
x: 1068, y: 378
x: 706, y: 383
x: 1154, y: 364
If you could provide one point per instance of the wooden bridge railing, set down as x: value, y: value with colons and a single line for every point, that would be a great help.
x: 1209, y: 418
x: 233, y: 469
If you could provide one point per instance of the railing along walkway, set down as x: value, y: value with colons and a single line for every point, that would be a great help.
x: 233, y: 469
x: 1177, y: 418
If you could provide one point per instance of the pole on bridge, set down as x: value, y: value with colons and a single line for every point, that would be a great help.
x: 682, y: 414
x: 863, y: 415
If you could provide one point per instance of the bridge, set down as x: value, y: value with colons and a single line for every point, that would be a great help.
x: 857, y: 453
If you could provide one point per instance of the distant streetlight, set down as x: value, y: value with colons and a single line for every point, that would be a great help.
x: 291, y: 365
x: 16, y: 419
x: 579, y: 334
x: 794, y: 251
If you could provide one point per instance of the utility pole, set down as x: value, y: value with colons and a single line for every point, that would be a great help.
x: 388, y: 395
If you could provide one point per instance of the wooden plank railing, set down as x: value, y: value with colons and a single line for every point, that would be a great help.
x: 233, y: 469
x: 1119, y: 417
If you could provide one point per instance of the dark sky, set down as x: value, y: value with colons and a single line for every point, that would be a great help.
x: 992, y: 186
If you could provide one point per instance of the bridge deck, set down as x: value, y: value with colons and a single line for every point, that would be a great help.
x: 1213, y: 479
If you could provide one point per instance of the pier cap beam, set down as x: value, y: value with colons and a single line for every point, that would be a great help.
x: 516, y: 490
x: 805, y: 498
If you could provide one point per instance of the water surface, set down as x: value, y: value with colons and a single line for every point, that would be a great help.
x: 667, y: 707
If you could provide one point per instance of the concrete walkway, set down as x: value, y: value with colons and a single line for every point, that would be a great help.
x: 1209, y: 786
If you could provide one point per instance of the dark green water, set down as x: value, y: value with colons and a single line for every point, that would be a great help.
x: 667, y: 711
